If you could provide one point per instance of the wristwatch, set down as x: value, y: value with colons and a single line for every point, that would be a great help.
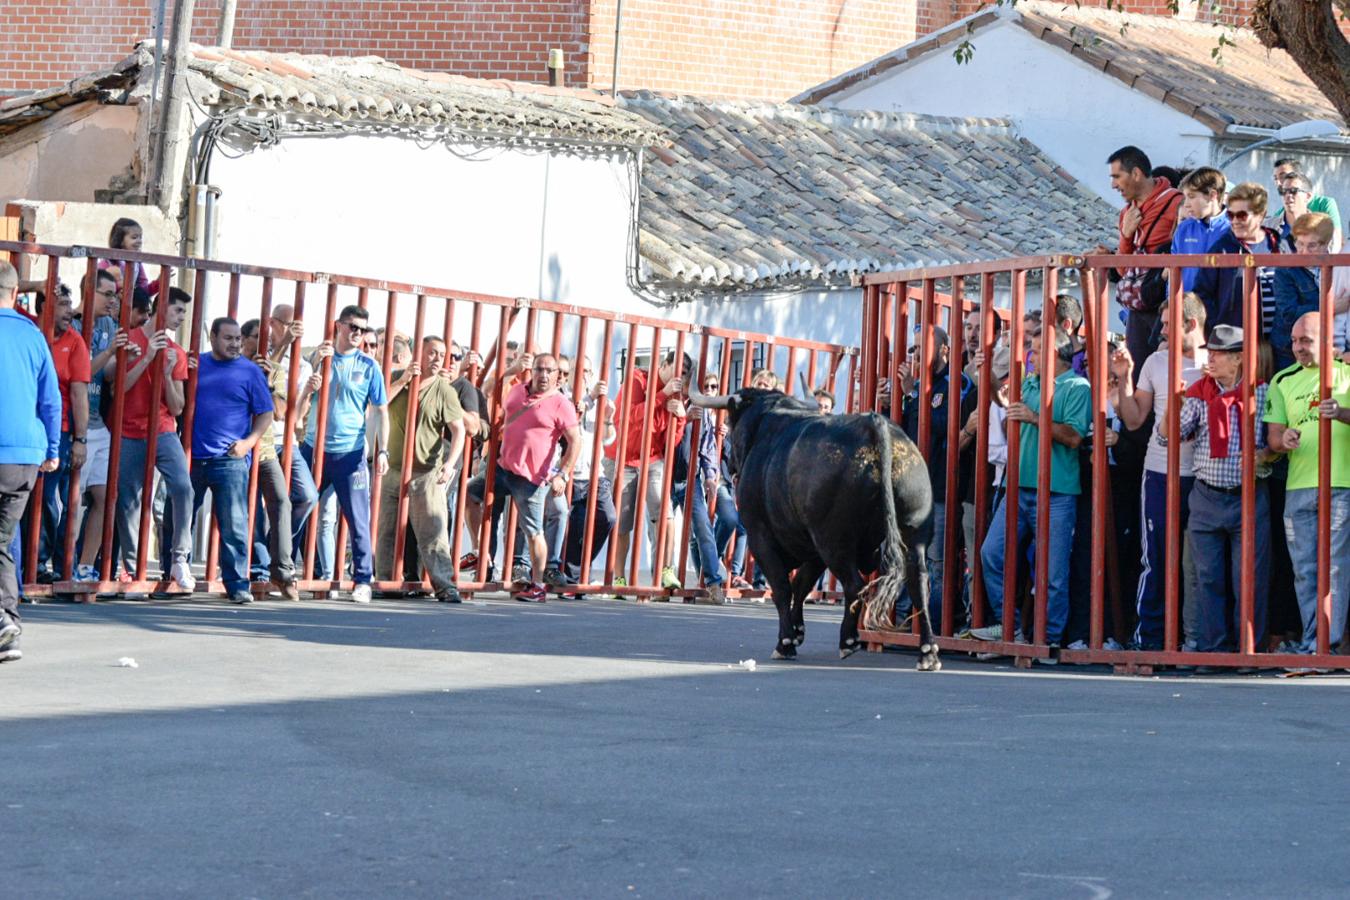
x: 80, y: 440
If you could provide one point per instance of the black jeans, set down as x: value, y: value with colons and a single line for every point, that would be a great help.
x: 16, y: 483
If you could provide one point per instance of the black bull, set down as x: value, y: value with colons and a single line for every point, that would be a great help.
x: 808, y: 488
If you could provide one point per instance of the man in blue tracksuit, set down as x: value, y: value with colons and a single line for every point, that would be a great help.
x: 30, y: 439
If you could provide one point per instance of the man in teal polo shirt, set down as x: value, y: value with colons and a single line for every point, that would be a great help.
x: 1292, y: 413
x: 1071, y: 416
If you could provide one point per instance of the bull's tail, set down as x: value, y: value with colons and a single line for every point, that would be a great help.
x: 882, y: 594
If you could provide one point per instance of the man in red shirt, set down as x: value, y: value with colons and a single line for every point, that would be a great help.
x: 142, y: 412
x: 537, y: 415
x: 71, y: 357
x: 668, y: 415
x: 1146, y: 225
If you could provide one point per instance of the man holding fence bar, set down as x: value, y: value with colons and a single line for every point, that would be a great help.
x: 143, y: 412
x: 1293, y: 409
x: 438, y: 447
x: 30, y: 439
x: 1211, y: 416
x: 356, y: 385
x: 1071, y: 417
x: 1133, y: 404
x: 234, y: 414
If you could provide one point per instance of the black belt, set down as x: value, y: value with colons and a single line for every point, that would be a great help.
x: 1222, y: 490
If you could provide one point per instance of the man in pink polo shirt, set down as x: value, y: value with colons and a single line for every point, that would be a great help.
x: 537, y: 415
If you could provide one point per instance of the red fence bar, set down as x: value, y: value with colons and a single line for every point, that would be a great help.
x: 602, y: 414
x: 494, y: 443
x: 952, y: 586
x: 1094, y: 297
x: 673, y: 435
x: 1012, y: 479
x: 983, y: 470
x: 613, y: 565
x: 1045, y: 369
x: 640, y: 492
x: 901, y: 355
x: 156, y: 375
x: 48, y: 325
x: 292, y: 398
x: 264, y: 350
x: 414, y: 389
x: 1325, y: 366
x: 1251, y: 325
x: 320, y: 433
x: 922, y: 367
x: 1172, y: 533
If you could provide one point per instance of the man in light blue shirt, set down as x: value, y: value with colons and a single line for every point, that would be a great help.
x: 355, y: 383
x: 30, y: 439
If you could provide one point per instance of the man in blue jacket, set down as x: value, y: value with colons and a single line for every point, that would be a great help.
x: 30, y: 439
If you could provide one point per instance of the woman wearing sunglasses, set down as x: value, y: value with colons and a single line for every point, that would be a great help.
x: 1221, y: 289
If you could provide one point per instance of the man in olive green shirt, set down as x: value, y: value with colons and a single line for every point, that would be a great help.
x: 438, y: 445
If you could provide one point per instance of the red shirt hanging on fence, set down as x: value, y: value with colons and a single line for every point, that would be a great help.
x: 663, y: 422
x: 136, y: 416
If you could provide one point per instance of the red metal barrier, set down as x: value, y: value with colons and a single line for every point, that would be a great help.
x: 562, y: 328
x: 880, y: 345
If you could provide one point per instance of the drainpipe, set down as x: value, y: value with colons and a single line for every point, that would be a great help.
x: 171, y: 111
x: 618, y: 31
x: 225, y: 30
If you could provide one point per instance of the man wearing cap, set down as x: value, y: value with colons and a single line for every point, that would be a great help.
x: 1292, y: 413
x: 1133, y: 404
x: 937, y: 454
x: 1211, y: 416
x: 1071, y: 412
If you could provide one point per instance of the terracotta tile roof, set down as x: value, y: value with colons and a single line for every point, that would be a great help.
x: 755, y: 196
x: 1170, y: 60
x: 336, y: 89
x: 1173, y: 61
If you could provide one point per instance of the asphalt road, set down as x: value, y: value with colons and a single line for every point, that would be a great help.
x: 603, y: 749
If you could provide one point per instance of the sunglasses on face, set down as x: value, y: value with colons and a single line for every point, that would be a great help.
x: 357, y: 330
x: 456, y: 356
x: 1240, y: 216
x: 1292, y: 192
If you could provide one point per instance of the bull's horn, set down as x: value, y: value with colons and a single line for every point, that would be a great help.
x: 698, y: 398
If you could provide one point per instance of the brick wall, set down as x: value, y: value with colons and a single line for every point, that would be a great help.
x: 768, y: 49
x: 47, y: 42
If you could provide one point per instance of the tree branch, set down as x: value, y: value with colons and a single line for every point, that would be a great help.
x: 1308, y: 30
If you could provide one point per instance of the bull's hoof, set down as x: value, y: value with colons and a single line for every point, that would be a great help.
x: 849, y: 647
x: 800, y: 635
x: 928, y: 659
x: 785, y: 649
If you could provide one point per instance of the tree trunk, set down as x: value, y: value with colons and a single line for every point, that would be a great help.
x: 1308, y: 31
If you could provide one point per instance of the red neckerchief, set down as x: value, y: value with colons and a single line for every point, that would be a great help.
x: 1218, y: 403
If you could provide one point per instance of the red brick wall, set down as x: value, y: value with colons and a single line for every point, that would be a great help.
x: 46, y: 42
x: 769, y: 49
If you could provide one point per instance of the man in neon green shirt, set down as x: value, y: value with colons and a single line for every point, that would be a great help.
x: 1292, y: 413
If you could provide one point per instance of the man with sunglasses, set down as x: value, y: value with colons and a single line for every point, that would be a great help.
x: 355, y: 384
x: 1286, y: 169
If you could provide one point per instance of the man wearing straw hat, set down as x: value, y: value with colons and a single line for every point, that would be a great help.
x: 1211, y: 415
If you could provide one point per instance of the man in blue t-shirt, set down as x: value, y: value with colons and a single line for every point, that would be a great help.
x: 355, y: 383
x: 234, y: 411
x: 30, y: 439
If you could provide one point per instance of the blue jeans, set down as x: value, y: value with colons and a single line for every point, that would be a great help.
x: 936, y: 556
x: 227, y: 478
x: 1300, y: 527
x: 1063, y: 513
x: 729, y: 523
x: 302, y: 496
x: 349, y: 476
x: 555, y: 533
x: 172, y: 466
x: 1151, y: 596
x: 576, y: 526
x: 1216, y: 544
x: 55, y: 490
x: 705, y: 549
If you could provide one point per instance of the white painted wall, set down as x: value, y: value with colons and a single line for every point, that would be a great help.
x: 69, y: 155
x: 498, y: 221
x: 1075, y: 114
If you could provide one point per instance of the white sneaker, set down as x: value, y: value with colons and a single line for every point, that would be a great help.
x: 182, y: 576
x: 361, y: 593
x: 1077, y: 645
x: 1111, y: 644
